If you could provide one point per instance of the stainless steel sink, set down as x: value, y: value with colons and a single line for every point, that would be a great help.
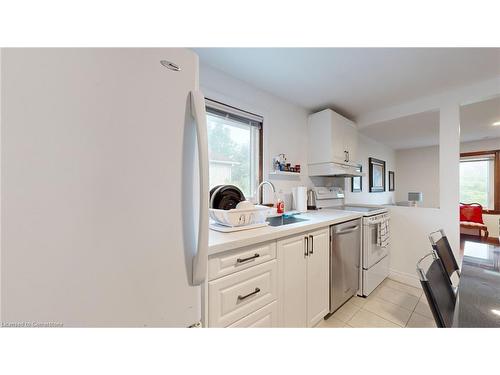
x: 277, y: 221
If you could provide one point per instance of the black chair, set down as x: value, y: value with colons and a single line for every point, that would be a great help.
x: 438, y: 291
x: 445, y: 253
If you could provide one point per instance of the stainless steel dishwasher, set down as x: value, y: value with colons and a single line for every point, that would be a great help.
x: 345, y: 250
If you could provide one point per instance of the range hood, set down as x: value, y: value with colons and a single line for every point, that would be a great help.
x: 334, y: 170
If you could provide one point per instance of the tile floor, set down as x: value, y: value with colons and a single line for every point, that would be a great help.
x: 391, y: 305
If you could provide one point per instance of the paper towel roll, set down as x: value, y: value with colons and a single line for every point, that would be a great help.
x: 300, y: 198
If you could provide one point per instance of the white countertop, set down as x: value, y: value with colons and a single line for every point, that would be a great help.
x: 219, y: 242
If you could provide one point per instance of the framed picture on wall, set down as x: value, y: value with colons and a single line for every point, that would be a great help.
x: 391, y: 180
x: 376, y: 173
x: 356, y: 182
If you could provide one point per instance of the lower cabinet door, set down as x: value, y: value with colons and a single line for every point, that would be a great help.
x: 318, y: 278
x: 292, y: 276
x: 266, y: 317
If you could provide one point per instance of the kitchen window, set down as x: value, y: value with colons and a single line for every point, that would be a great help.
x: 480, y: 179
x: 234, y: 147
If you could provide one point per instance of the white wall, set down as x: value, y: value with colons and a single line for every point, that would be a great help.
x: 1, y: 183
x: 411, y: 226
x: 492, y: 222
x: 285, y: 124
x: 484, y: 145
x: 417, y: 169
x: 368, y: 147
x: 406, y: 252
x: 409, y: 239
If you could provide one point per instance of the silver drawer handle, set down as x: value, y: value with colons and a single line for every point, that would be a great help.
x: 241, y: 298
x: 170, y: 65
x: 241, y: 260
x: 348, y: 230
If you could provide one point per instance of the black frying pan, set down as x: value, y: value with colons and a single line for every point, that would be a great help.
x: 225, y: 197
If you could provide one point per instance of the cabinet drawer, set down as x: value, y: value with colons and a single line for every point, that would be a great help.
x: 240, y: 259
x: 266, y: 317
x: 240, y: 294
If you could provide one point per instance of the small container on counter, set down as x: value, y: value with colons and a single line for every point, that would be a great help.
x: 280, y: 206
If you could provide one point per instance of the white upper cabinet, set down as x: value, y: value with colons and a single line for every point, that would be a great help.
x: 331, y: 138
x: 350, y: 140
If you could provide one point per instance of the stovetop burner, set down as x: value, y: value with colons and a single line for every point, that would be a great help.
x: 365, y: 210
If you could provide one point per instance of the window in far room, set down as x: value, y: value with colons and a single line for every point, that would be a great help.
x: 234, y: 147
x: 477, y: 179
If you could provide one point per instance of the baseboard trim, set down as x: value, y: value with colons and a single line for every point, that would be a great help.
x: 405, y: 278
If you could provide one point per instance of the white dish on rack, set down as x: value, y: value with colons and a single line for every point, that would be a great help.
x: 240, y: 217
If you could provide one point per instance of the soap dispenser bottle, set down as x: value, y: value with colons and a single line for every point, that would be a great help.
x: 280, y: 203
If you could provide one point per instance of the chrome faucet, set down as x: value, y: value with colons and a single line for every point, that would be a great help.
x: 258, y: 193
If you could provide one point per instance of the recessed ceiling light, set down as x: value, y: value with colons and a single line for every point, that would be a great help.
x: 496, y: 123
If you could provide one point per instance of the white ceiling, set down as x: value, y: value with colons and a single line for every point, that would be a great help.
x: 418, y: 130
x: 476, y: 120
x: 354, y: 81
x: 422, y: 129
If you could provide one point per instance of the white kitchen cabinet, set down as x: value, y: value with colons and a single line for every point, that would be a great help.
x: 266, y: 317
x: 292, y: 281
x: 318, y: 279
x: 237, y: 260
x: 235, y: 296
x: 303, y: 272
x: 332, y: 138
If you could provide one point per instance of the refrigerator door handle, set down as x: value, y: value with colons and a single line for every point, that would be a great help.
x: 201, y: 257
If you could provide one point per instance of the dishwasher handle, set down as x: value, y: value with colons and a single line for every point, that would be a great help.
x: 347, y: 230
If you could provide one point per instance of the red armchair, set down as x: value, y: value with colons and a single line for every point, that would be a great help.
x: 471, y: 217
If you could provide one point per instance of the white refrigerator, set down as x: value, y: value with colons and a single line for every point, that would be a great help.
x: 104, y: 190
